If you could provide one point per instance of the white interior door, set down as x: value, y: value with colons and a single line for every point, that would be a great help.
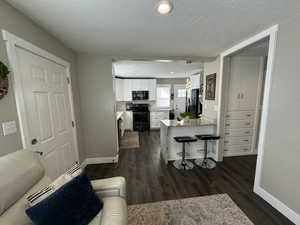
x: 179, y: 99
x: 47, y: 110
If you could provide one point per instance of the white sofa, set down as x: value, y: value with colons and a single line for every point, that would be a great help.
x: 22, y: 173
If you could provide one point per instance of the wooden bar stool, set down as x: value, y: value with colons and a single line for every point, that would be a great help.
x: 206, y: 162
x: 184, y: 164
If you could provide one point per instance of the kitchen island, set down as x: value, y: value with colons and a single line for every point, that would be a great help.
x: 169, y: 129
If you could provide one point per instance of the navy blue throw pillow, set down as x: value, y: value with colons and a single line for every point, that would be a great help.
x: 74, y: 203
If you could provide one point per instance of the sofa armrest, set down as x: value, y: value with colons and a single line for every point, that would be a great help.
x: 115, y: 186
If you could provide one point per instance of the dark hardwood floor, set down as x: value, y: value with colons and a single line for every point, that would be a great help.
x: 150, y: 180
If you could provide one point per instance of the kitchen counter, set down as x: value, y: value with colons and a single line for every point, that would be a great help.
x: 119, y: 115
x: 160, y: 110
x: 172, y: 128
x: 189, y: 123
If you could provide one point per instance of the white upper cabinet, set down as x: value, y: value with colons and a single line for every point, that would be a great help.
x: 135, y: 84
x: 250, y: 83
x: 152, y: 89
x: 129, y: 85
x: 119, y: 87
x: 127, y: 90
x: 195, y: 81
x: 244, y: 83
x: 234, y: 90
x: 143, y: 85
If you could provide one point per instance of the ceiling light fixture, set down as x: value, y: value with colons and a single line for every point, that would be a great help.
x: 171, y: 72
x: 163, y: 60
x: 164, y: 7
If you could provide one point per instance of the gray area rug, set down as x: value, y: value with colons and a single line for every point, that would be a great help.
x: 207, y: 210
x: 130, y: 140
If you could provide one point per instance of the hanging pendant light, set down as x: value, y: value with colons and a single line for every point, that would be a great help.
x: 164, y: 7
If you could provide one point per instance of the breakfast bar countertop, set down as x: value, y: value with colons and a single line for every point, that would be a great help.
x: 189, y: 123
x: 119, y: 114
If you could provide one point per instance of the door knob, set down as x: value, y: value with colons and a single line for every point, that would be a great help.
x: 34, y: 141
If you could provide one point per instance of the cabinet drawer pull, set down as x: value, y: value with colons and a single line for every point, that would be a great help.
x: 245, y: 149
x: 227, y: 116
x: 247, y: 132
x: 248, y: 115
x: 227, y: 133
x: 246, y: 140
x: 247, y: 123
x: 226, y: 142
x: 225, y: 150
x: 227, y: 124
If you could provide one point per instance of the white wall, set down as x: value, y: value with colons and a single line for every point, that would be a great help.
x: 210, y: 107
x: 97, y: 106
x: 281, y: 160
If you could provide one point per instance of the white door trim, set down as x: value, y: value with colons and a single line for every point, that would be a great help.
x: 12, y: 42
x: 175, y: 86
x: 258, y: 189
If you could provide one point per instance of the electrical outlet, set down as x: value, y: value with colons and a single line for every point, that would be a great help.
x: 9, y: 127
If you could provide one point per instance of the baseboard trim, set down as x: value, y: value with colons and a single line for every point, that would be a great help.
x: 99, y: 160
x: 239, y: 154
x: 280, y: 206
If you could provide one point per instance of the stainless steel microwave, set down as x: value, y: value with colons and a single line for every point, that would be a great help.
x: 140, y: 95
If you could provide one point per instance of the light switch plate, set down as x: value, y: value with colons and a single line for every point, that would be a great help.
x: 9, y: 127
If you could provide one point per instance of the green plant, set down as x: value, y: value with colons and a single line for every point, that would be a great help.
x: 188, y: 114
x: 3, y: 70
x: 185, y: 115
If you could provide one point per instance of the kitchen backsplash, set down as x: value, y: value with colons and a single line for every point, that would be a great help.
x: 121, y: 106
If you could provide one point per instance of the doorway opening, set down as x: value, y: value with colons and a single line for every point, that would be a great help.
x: 262, y: 103
x: 244, y: 83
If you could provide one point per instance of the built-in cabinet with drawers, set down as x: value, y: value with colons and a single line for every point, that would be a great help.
x: 124, y: 88
x: 242, y: 105
x: 156, y: 117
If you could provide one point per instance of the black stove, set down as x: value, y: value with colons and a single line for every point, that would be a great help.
x: 141, y: 116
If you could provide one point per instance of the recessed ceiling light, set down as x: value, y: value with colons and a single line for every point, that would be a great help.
x: 164, y: 7
x: 164, y: 60
x: 171, y: 72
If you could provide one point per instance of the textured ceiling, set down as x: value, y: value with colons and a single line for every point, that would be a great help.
x: 132, y: 28
x: 260, y: 48
x: 129, y: 68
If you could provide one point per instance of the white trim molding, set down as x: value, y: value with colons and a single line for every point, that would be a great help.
x: 99, y: 160
x: 280, y: 206
x: 12, y: 42
x: 270, y: 33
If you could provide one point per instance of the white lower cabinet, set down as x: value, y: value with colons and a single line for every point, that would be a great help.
x: 239, y: 133
x: 242, y: 140
x: 128, y: 120
x: 237, y: 150
x: 156, y: 117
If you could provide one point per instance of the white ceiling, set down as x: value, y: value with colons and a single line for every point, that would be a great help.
x: 175, y: 69
x: 132, y: 28
x: 260, y: 48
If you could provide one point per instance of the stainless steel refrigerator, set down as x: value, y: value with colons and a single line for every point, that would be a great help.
x: 193, y: 104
